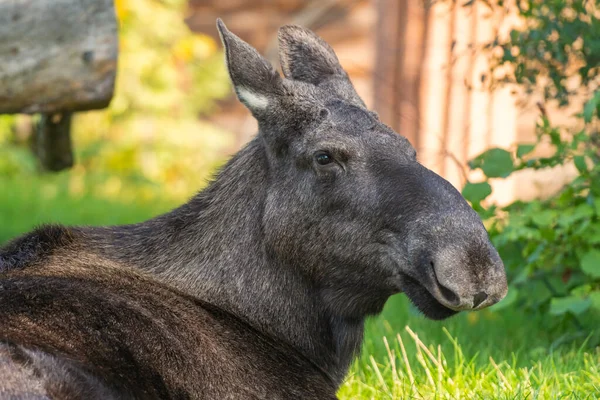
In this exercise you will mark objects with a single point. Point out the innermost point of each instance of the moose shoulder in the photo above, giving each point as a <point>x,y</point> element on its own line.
<point>259,286</point>
<point>103,332</point>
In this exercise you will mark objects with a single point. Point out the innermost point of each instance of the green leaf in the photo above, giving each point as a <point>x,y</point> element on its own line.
<point>581,290</point>
<point>571,215</point>
<point>573,304</point>
<point>510,298</point>
<point>580,164</point>
<point>496,163</point>
<point>544,217</point>
<point>524,149</point>
<point>593,237</point>
<point>583,211</point>
<point>555,138</point>
<point>522,277</point>
<point>475,163</point>
<point>590,263</point>
<point>597,206</point>
<point>590,107</point>
<point>595,298</point>
<point>476,192</point>
<point>535,255</point>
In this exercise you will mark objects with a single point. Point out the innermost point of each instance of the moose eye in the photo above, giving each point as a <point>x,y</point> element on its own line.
<point>323,158</point>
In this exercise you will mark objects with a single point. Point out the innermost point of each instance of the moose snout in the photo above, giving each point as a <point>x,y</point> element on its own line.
<point>468,278</point>
<point>451,259</point>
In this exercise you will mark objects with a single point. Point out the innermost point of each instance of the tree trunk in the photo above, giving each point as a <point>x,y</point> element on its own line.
<point>401,41</point>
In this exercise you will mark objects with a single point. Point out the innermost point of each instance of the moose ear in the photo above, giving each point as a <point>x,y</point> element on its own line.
<point>256,82</point>
<point>306,57</point>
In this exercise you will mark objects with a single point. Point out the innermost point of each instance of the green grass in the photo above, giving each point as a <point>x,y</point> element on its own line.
<point>26,203</point>
<point>485,355</point>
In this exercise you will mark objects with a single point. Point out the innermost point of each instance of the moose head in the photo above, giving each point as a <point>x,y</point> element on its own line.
<point>346,201</point>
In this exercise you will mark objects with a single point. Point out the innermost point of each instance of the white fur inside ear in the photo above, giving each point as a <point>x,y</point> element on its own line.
<point>253,100</point>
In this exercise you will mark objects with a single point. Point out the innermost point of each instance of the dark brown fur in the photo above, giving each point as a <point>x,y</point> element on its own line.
<point>85,329</point>
<point>34,247</point>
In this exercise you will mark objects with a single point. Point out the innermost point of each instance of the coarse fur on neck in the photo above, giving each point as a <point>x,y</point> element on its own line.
<point>212,248</point>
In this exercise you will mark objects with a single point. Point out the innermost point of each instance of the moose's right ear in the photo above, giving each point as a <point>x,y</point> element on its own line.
<point>256,82</point>
<point>304,56</point>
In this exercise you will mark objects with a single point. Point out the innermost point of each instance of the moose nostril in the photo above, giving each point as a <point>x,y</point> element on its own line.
<point>449,295</point>
<point>479,298</point>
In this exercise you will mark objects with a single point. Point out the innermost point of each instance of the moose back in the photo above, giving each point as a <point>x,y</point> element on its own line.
<point>259,286</point>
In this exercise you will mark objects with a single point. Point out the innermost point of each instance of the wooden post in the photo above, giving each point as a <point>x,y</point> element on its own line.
<point>53,141</point>
<point>56,57</point>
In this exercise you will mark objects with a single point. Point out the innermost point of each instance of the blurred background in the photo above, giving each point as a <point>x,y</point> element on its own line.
<point>499,97</point>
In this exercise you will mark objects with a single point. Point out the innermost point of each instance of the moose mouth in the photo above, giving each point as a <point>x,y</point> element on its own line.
<point>423,300</point>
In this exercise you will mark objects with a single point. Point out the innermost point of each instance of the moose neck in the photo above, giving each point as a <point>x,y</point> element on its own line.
<point>212,248</point>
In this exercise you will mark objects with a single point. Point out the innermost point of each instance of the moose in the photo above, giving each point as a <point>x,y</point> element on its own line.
<point>259,286</point>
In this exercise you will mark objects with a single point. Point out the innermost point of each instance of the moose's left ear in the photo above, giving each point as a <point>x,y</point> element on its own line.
<point>306,57</point>
<point>256,82</point>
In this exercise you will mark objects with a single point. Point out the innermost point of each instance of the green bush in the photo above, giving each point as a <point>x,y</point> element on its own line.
<point>550,246</point>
